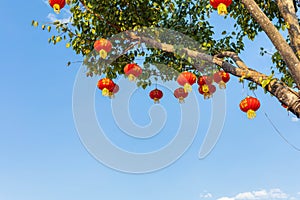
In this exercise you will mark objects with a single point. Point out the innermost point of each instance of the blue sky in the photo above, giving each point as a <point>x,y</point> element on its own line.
<point>42,156</point>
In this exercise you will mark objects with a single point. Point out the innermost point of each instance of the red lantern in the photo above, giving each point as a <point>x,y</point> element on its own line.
<point>57,5</point>
<point>186,79</point>
<point>113,91</point>
<point>106,85</point>
<point>132,71</point>
<point>180,94</point>
<point>103,46</point>
<point>207,90</point>
<point>220,5</point>
<point>250,105</point>
<point>221,78</point>
<point>202,80</point>
<point>156,95</point>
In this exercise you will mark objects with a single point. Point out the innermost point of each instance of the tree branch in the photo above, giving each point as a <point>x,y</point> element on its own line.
<point>234,57</point>
<point>276,38</point>
<point>282,92</point>
<point>287,10</point>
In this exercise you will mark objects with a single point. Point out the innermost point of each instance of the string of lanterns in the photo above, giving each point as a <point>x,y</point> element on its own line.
<point>206,88</point>
<point>185,79</point>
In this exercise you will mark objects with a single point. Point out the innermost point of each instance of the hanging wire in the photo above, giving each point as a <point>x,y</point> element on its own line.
<point>277,130</point>
<point>280,134</point>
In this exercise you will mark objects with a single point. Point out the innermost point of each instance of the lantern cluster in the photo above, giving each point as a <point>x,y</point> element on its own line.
<point>249,105</point>
<point>103,46</point>
<point>57,5</point>
<point>186,79</point>
<point>206,87</point>
<point>108,87</point>
<point>132,71</point>
<point>220,5</point>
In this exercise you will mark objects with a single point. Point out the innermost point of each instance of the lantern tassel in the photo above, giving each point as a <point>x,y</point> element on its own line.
<point>105,92</point>
<point>206,95</point>
<point>156,100</point>
<point>187,87</point>
<point>251,114</point>
<point>222,9</point>
<point>56,8</point>
<point>181,100</point>
<point>222,85</point>
<point>103,53</point>
<point>131,77</point>
<point>111,95</point>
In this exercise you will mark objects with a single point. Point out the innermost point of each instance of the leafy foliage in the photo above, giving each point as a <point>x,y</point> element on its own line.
<point>94,19</point>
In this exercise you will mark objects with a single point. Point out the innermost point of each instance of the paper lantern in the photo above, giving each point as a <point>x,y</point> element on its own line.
<point>207,90</point>
<point>221,78</point>
<point>103,46</point>
<point>57,5</point>
<point>106,85</point>
<point>250,105</point>
<point>132,71</point>
<point>180,94</point>
<point>156,95</point>
<point>220,5</point>
<point>186,79</point>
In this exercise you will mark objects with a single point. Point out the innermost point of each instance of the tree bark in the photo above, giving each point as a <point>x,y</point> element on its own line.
<point>276,38</point>
<point>287,10</point>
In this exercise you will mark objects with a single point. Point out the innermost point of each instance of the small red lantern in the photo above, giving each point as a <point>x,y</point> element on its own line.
<point>132,71</point>
<point>113,91</point>
<point>156,95</point>
<point>207,90</point>
<point>220,5</point>
<point>180,94</point>
<point>186,79</point>
<point>202,80</point>
<point>103,46</point>
<point>250,105</point>
<point>57,5</point>
<point>106,85</point>
<point>221,78</point>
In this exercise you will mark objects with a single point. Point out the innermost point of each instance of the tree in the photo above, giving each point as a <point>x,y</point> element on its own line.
<point>94,19</point>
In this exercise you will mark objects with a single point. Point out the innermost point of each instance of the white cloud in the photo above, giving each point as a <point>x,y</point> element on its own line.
<point>260,194</point>
<point>245,195</point>
<point>278,194</point>
<point>206,195</point>
<point>225,198</point>
<point>52,17</point>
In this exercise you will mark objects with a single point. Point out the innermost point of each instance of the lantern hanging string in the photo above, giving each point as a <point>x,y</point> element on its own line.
<point>280,134</point>
<point>277,130</point>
